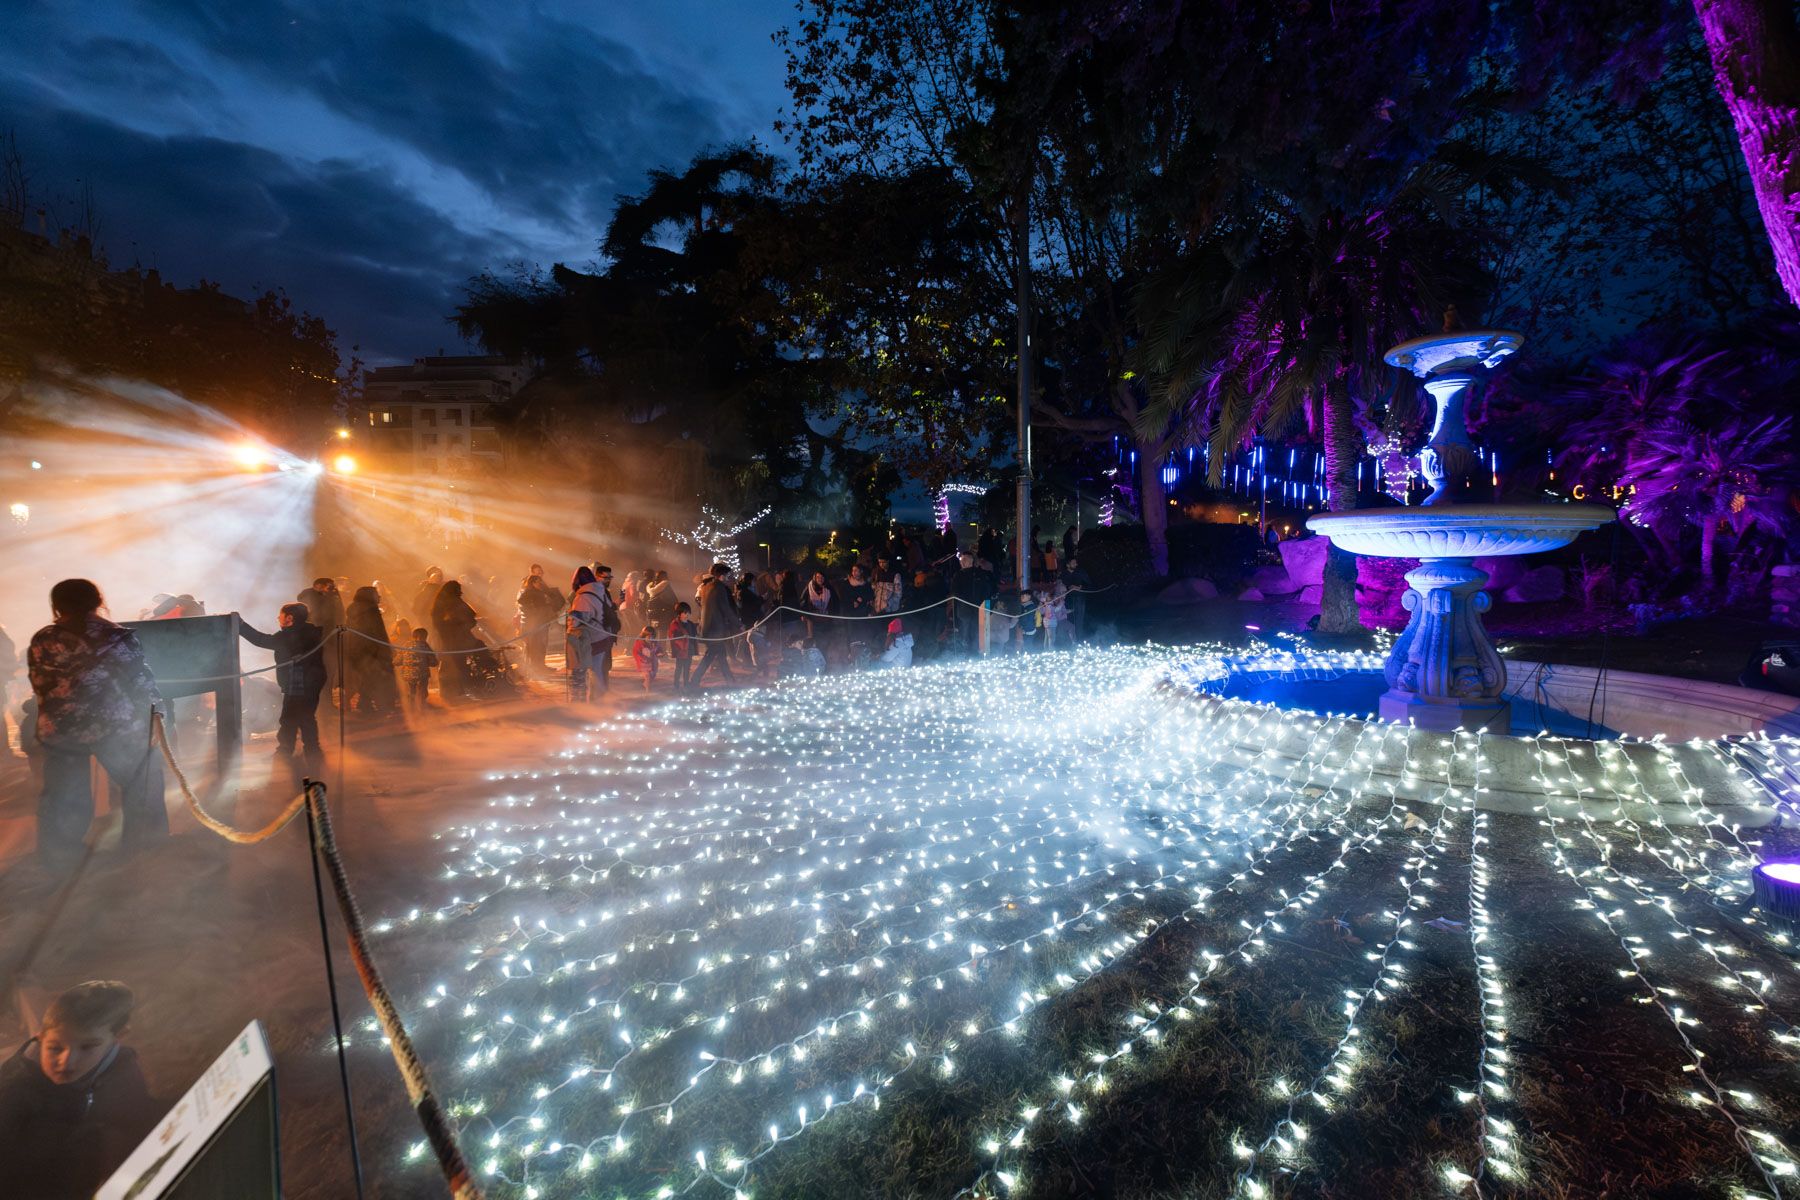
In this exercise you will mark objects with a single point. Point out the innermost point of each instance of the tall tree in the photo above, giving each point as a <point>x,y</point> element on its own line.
<point>1755,48</point>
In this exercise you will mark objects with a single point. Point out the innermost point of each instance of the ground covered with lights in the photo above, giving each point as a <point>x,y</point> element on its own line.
<point>1066,926</point>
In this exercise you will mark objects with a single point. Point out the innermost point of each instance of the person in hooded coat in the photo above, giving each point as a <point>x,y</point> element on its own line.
<point>369,656</point>
<point>454,623</point>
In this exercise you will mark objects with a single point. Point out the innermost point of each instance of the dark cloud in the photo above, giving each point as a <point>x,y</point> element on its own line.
<point>256,142</point>
<point>549,117</point>
<point>207,208</point>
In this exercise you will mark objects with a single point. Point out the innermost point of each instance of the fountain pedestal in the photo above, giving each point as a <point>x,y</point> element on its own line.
<point>1444,672</point>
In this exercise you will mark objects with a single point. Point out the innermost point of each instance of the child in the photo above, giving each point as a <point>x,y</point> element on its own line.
<point>1047,616</point>
<point>803,658</point>
<point>300,673</point>
<point>646,652</point>
<point>682,632</point>
<point>73,1103</point>
<point>416,662</point>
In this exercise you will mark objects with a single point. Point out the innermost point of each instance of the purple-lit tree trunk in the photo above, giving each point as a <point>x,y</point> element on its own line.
<point>1338,611</point>
<point>1755,48</point>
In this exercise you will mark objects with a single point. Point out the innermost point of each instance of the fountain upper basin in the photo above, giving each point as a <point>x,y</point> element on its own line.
<point>1460,530</point>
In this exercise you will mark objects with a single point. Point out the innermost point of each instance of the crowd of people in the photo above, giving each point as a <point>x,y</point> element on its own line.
<point>73,1094</point>
<point>907,599</point>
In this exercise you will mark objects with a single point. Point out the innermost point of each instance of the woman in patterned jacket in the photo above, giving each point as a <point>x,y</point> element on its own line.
<point>95,693</point>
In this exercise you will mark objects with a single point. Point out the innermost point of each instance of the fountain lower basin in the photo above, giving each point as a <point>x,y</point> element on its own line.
<point>1444,672</point>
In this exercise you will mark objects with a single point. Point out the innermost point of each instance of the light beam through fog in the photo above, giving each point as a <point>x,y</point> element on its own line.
<point>148,493</point>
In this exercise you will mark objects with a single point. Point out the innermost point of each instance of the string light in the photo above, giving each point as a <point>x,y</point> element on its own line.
<point>702,933</point>
<point>940,506</point>
<point>713,538</point>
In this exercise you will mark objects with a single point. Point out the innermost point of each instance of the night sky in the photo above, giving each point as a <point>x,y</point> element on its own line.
<point>370,156</point>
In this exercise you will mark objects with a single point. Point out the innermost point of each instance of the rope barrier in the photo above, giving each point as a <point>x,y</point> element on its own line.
<point>312,801</point>
<point>230,833</point>
<point>418,1086</point>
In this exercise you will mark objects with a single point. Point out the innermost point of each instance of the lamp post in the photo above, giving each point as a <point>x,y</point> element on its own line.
<point>1022,546</point>
<point>768,556</point>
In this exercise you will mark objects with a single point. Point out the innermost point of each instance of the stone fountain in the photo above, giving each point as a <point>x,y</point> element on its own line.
<point>1444,672</point>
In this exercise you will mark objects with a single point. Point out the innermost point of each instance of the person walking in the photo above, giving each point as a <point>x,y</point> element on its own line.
<point>299,673</point>
<point>368,657</point>
<point>95,695</point>
<point>718,622</point>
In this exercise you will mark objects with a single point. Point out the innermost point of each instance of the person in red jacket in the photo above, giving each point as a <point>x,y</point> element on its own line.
<point>682,632</point>
<point>73,1102</point>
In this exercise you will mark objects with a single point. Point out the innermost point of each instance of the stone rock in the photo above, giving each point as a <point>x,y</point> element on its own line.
<point>1503,573</point>
<point>1312,593</point>
<point>1304,560</point>
<point>1273,581</point>
<point>1252,594</point>
<point>1538,585</point>
<point>1188,591</point>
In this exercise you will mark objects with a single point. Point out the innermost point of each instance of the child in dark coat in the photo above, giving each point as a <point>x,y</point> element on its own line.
<point>300,673</point>
<point>73,1102</point>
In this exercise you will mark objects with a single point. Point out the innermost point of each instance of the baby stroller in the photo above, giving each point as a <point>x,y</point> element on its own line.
<point>491,674</point>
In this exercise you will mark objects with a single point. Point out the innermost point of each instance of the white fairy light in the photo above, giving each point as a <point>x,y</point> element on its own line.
<point>714,538</point>
<point>699,935</point>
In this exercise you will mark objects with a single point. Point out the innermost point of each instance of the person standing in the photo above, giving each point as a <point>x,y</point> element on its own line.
<point>325,605</point>
<point>682,632</point>
<point>9,667</point>
<point>299,673</point>
<point>425,595</point>
<point>582,624</point>
<point>454,623</point>
<point>539,606</point>
<point>95,695</point>
<point>718,622</point>
<point>593,627</point>
<point>368,656</point>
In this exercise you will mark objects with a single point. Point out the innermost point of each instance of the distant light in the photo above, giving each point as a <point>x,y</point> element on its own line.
<point>343,433</point>
<point>36,465</point>
<point>343,464</point>
<point>21,512</point>
<point>315,468</point>
<point>251,456</point>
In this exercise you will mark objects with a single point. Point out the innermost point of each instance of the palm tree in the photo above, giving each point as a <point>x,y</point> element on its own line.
<point>1289,327</point>
<point>1737,476</point>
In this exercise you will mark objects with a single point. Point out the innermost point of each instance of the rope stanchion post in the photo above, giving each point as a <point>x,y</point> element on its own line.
<point>418,1087</point>
<point>337,1019</point>
<point>323,846</point>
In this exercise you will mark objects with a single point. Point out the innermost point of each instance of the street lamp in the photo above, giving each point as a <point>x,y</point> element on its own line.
<point>768,555</point>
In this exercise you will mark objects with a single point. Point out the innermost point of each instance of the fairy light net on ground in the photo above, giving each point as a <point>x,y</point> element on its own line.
<point>954,918</point>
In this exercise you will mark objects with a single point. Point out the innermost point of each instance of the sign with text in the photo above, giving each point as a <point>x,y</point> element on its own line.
<point>218,1142</point>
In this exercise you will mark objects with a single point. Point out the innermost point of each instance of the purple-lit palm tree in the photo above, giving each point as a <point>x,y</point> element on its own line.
<point>1292,333</point>
<point>1735,476</point>
<point>1651,378</point>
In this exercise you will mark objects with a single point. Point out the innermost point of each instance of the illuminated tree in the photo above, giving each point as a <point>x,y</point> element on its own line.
<point>1755,48</point>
